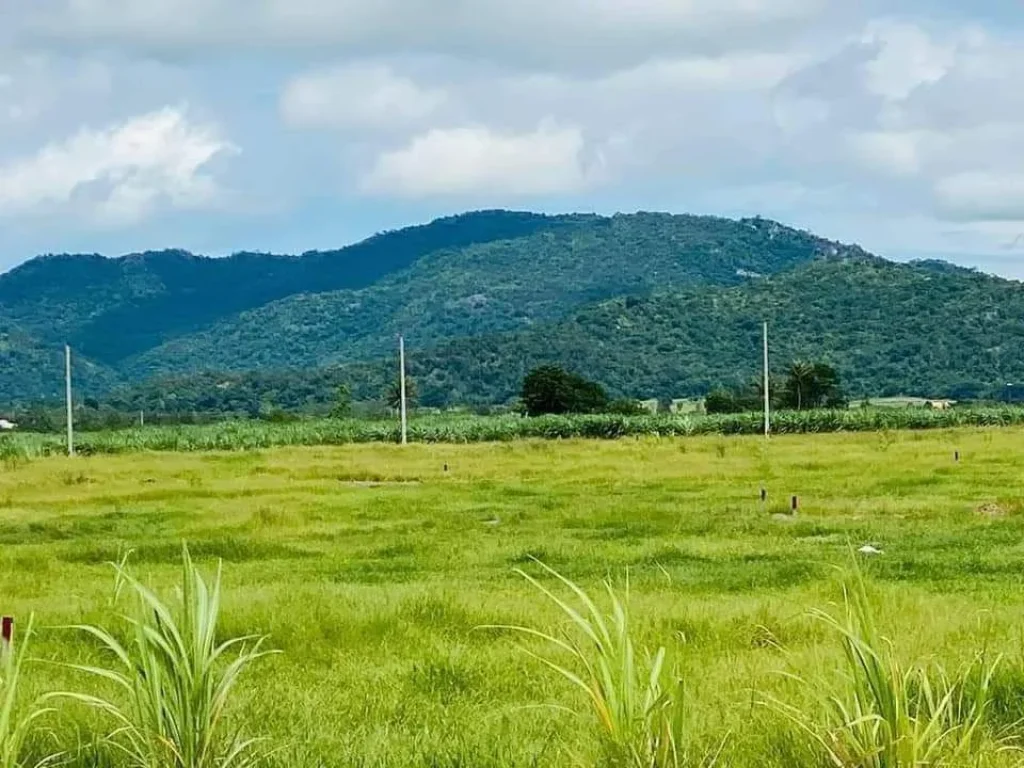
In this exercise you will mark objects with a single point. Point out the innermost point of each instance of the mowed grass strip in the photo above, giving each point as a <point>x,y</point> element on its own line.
<point>372,569</point>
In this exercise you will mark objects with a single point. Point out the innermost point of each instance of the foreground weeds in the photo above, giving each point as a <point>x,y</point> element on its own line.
<point>638,707</point>
<point>882,713</point>
<point>175,678</point>
<point>17,723</point>
<point>372,566</point>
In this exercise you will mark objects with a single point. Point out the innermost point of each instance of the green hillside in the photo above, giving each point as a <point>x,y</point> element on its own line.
<point>492,287</point>
<point>110,309</point>
<point>36,368</point>
<point>889,328</point>
<point>652,305</point>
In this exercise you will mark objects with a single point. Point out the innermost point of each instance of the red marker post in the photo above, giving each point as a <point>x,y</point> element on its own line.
<point>6,633</point>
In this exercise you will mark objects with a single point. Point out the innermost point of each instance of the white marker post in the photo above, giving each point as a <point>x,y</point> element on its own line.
<point>67,398</point>
<point>767,394</point>
<point>401,385</point>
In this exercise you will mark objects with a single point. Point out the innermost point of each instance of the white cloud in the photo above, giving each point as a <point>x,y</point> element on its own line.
<point>982,196</point>
<point>119,174</point>
<point>938,109</point>
<point>901,129</point>
<point>893,153</point>
<point>358,96</point>
<point>907,58</point>
<point>739,71</point>
<point>481,161</point>
<point>597,34</point>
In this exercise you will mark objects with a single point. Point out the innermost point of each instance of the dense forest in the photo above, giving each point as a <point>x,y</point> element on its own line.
<point>887,328</point>
<point>649,305</point>
<point>489,288</point>
<point>112,309</point>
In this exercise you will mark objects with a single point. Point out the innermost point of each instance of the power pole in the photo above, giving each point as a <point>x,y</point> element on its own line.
<point>67,398</point>
<point>767,394</point>
<point>401,380</point>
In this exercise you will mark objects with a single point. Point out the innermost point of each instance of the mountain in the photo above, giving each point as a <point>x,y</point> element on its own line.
<point>171,312</point>
<point>648,304</point>
<point>889,329</point>
<point>112,308</point>
<point>36,367</point>
<point>492,287</point>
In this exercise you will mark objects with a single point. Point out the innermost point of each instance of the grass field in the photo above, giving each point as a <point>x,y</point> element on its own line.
<point>373,569</point>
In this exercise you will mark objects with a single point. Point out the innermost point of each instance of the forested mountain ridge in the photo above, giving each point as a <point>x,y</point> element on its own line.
<point>35,367</point>
<point>650,304</point>
<point>113,308</point>
<point>889,329</point>
<point>493,287</point>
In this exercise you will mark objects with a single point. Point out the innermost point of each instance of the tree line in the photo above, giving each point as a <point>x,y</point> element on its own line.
<point>546,389</point>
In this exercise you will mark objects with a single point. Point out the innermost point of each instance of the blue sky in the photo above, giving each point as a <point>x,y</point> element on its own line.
<point>286,125</point>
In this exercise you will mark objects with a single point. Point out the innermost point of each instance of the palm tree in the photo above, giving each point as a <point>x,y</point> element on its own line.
<point>393,396</point>
<point>801,377</point>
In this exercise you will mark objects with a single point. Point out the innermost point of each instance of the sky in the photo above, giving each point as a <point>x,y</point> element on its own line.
<point>289,125</point>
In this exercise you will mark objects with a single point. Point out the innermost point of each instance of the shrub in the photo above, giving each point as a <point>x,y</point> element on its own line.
<point>626,407</point>
<point>722,401</point>
<point>342,407</point>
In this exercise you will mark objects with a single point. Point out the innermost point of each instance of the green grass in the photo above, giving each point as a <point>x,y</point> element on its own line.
<point>372,570</point>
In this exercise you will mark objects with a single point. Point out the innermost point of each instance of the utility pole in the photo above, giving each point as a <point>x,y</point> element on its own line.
<point>767,394</point>
<point>67,398</point>
<point>401,380</point>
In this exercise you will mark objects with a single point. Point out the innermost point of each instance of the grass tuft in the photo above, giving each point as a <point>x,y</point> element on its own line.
<point>174,678</point>
<point>883,713</point>
<point>639,713</point>
<point>17,726</point>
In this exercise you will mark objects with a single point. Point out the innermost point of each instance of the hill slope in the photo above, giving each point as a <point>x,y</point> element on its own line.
<point>650,304</point>
<point>889,328</point>
<point>110,309</point>
<point>493,287</point>
<point>32,368</point>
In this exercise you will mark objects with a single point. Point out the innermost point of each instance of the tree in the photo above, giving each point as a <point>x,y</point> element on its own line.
<point>550,389</point>
<point>342,407</point>
<point>798,384</point>
<point>393,396</point>
<point>813,385</point>
<point>776,392</point>
<point>827,391</point>
<point>741,399</point>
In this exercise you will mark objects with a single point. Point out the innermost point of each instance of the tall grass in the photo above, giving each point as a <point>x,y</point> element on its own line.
<point>16,726</point>
<point>638,709</point>
<point>883,713</point>
<point>254,435</point>
<point>174,677</point>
